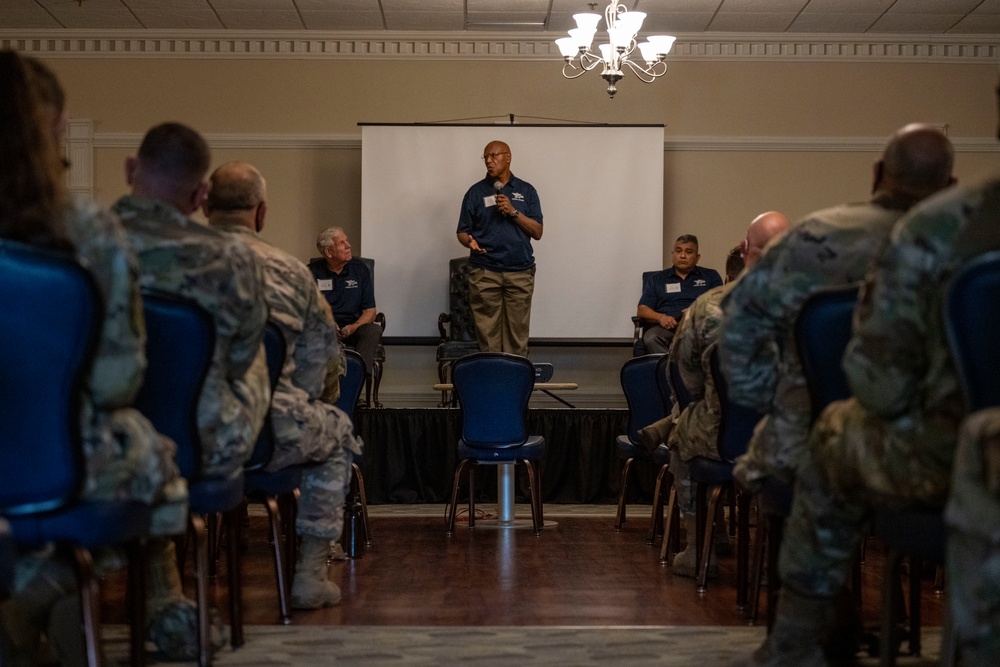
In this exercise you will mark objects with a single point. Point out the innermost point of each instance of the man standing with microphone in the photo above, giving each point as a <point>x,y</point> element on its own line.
<point>500,216</point>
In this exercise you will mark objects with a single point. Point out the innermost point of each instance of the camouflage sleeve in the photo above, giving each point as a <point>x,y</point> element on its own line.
<point>244,320</point>
<point>686,350</point>
<point>120,361</point>
<point>318,340</point>
<point>748,334</point>
<point>886,360</point>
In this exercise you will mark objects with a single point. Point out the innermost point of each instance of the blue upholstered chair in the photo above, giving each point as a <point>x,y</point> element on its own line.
<point>275,490</point>
<point>639,326</point>
<point>48,333</point>
<point>639,383</point>
<point>180,344</point>
<point>493,390</point>
<point>458,338</point>
<point>822,332</point>
<point>350,392</point>
<point>660,457</point>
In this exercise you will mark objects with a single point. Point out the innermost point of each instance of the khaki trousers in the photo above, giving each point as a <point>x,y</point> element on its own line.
<point>501,308</point>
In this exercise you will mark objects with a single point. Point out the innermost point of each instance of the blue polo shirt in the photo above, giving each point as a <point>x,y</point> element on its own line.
<point>349,292</point>
<point>669,294</point>
<point>507,246</point>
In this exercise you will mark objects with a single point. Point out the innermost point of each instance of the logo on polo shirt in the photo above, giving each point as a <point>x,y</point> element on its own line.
<point>350,283</point>
<point>700,282</point>
<point>517,196</point>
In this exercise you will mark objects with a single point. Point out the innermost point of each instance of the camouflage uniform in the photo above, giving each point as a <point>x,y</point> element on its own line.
<point>182,257</point>
<point>696,428</point>
<point>893,443</point>
<point>973,560</point>
<point>759,355</point>
<point>306,428</point>
<point>126,457</point>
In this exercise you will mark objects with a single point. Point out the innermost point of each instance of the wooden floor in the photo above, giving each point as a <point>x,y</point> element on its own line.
<point>577,572</point>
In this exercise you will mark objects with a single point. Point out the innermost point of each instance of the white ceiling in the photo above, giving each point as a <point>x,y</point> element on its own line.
<point>663,16</point>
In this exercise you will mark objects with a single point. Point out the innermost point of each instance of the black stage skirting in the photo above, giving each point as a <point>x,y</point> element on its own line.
<point>410,456</point>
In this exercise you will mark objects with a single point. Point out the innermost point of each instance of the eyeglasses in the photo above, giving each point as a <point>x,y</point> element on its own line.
<point>493,156</point>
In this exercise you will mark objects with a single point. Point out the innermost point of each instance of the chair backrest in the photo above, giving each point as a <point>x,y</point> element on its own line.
<point>462,327</point>
<point>180,342</point>
<point>275,349</point>
<point>822,332</point>
<point>48,332</point>
<point>639,384</point>
<point>493,390</point>
<point>972,322</point>
<point>370,264</point>
<point>736,422</point>
<point>352,383</point>
<point>684,397</point>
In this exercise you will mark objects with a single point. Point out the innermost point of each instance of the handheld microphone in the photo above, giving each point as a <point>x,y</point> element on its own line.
<point>498,186</point>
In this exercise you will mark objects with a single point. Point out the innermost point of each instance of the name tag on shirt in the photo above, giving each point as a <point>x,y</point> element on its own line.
<point>325,285</point>
<point>490,201</point>
<point>671,288</point>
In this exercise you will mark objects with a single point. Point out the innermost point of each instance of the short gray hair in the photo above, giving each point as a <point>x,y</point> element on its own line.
<point>325,238</point>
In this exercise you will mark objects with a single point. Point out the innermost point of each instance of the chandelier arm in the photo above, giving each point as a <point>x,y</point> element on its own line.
<point>646,74</point>
<point>589,61</point>
<point>569,67</point>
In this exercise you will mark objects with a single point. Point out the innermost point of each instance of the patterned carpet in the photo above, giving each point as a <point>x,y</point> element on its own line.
<point>377,646</point>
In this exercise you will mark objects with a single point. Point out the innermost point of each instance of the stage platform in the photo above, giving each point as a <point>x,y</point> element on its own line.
<point>410,456</point>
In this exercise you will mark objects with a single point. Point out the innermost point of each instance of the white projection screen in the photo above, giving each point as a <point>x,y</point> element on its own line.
<point>601,192</point>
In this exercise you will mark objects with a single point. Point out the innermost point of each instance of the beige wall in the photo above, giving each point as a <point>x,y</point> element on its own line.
<point>741,137</point>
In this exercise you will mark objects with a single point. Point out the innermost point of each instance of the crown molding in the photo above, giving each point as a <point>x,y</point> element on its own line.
<point>309,45</point>
<point>131,140</point>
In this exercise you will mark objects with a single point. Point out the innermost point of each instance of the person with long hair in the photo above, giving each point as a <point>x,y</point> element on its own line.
<point>125,457</point>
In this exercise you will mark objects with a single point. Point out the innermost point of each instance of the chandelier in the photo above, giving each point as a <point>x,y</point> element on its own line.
<point>619,53</point>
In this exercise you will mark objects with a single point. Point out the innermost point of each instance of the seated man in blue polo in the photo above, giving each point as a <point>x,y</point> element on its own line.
<point>347,285</point>
<point>667,294</point>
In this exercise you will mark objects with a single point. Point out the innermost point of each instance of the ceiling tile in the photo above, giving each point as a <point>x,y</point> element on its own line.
<point>672,22</point>
<point>159,5</point>
<point>836,23</point>
<point>508,5</point>
<point>178,19</point>
<point>762,6</point>
<point>847,6</point>
<point>92,14</point>
<point>257,19</point>
<point>988,7</point>
<point>933,6</point>
<point>423,6</point>
<point>930,23</point>
<point>26,18</point>
<point>251,5</point>
<point>757,22</point>
<point>977,24</point>
<point>654,6</point>
<point>338,5</point>
<point>353,20</point>
<point>424,20</point>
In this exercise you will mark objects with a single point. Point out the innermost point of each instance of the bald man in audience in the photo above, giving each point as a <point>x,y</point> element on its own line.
<point>306,429</point>
<point>695,430</point>
<point>829,248</point>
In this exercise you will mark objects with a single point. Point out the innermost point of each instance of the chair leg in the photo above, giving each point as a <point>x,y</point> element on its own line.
<point>359,480</point>
<point>200,530</point>
<point>377,381</point>
<point>620,517</point>
<point>235,573</point>
<point>535,487</point>
<point>706,545</point>
<point>670,526</point>
<point>887,648</point>
<point>775,535</point>
<point>757,566</point>
<point>135,598</point>
<point>289,503</point>
<point>90,612</point>
<point>274,522</point>
<point>454,496</point>
<point>916,572</point>
<point>742,546</point>
<point>472,494</point>
<point>656,518</point>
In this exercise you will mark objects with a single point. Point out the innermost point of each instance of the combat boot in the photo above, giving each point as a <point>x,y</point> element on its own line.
<point>796,640</point>
<point>23,617</point>
<point>685,563</point>
<point>64,632</point>
<point>655,434</point>
<point>173,619</point>
<point>311,588</point>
